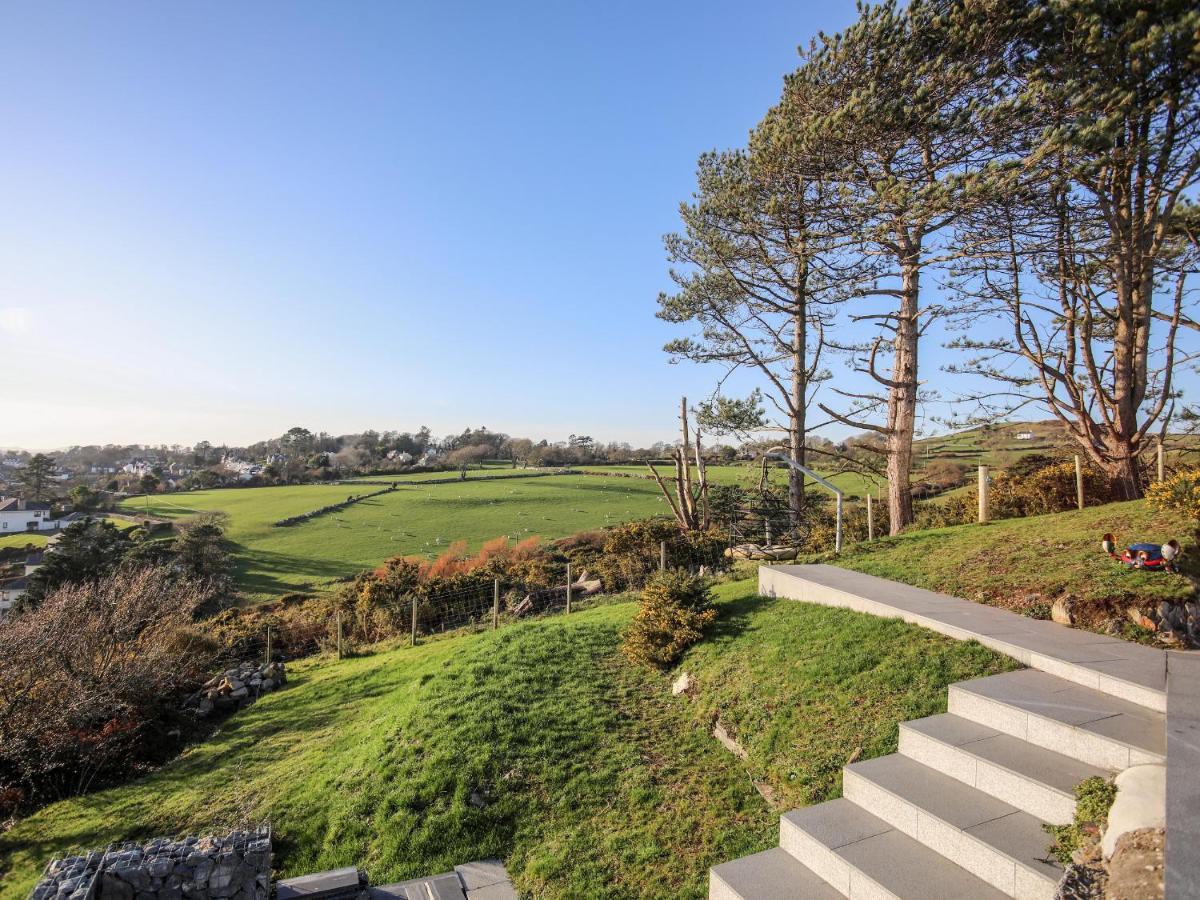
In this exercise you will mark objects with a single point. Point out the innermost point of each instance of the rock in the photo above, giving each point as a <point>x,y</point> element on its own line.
<point>1135,871</point>
<point>1140,619</point>
<point>1063,611</point>
<point>1141,803</point>
<point>727,741</point>
<point>239,693</point>
<point>683,684</point>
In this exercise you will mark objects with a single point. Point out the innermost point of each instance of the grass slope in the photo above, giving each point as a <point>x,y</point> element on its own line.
<point>599,782</point>
<point>1024,564</point>
<point>413,520</point>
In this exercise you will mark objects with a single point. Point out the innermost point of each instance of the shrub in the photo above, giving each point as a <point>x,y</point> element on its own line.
<point>1180,492</point>
<point>1094,798</point>
<point>92,680</point>
<point>631,552</point>
<point>676,607</point>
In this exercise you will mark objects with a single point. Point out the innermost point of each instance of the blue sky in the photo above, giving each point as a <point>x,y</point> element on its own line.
<point>219,220</point>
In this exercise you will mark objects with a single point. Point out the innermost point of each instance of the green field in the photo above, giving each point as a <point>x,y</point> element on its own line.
<point>852,483</point>
<point>598,782</point>
<point>409,521</point>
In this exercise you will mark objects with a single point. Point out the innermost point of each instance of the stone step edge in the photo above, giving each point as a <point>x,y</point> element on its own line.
<point>1049,803</point>
<point>986,862</point>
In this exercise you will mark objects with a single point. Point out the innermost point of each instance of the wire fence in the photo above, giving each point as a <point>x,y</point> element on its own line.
<point>481,603</point>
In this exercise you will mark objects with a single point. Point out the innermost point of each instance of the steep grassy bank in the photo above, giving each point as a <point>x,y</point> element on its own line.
<point>595,781</point>
<point>1024,564</point>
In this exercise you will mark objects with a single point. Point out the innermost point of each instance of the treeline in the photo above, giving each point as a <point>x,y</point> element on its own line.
<point>1021,170</point>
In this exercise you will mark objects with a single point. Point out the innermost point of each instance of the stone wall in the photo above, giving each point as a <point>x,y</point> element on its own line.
<point>236,866</point>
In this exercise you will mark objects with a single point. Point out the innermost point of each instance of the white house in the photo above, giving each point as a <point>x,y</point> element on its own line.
<point>11,590</point>
<point>1024,435</point>
<point>25,515</point>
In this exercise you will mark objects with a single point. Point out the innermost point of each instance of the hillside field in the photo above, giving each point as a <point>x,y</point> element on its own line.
<point>1025,564</point>
<point>412,520</point>
<point>598,782</point>
<point>747,475</point>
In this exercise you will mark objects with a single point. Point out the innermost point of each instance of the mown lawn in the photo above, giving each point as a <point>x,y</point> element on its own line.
<point>597,782</point>
<point>1024,564</point>
<point>22,539</point>
<point>413,520</point>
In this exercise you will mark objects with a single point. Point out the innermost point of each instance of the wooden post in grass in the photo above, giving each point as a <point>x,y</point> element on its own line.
<point>495,604</point>
<point>568,588</point>
<point>1162,462</point>
<point>662,556</point>
<point>1079,481</point>
<point>268,644</point>
<point>339,633</point>
<point>414,621</point>
<point>983,495</point>
<point>870,518</point>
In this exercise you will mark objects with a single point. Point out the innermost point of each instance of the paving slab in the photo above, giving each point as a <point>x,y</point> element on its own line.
<point>1123,669</point>
<point>319,885</point>
<point>771,875</point>
<point>905,868</point>
<point>1182,875</point>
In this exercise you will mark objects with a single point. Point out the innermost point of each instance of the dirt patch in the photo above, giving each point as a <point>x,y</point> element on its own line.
<point>1135,871</point>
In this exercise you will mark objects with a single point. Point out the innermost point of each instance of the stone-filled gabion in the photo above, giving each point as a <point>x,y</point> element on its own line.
<point>236,866</point>
<point>70,878</point>
<point>237,687</point>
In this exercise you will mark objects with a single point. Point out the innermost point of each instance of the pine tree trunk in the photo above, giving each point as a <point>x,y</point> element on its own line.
<point>902,401</point>
<point>796,418</point>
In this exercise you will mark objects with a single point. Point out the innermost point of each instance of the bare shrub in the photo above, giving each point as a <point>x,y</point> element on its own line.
<point>91,681</point>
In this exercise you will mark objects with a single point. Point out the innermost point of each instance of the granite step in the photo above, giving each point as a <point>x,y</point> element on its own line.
<point>1039,781</point>
<point>771,875</point>
<point>1087,725</point>
<point>998,843</point>
<point>864,858</point>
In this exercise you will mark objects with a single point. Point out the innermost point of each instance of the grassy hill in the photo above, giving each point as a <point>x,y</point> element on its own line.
<point>413,520</point>
<point>747,475</point>
<point>1024,564</point>
<point>596,781</point>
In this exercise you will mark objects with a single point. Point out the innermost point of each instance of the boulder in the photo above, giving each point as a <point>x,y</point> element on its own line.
<point>1141,803</point>
<point>683,684</point>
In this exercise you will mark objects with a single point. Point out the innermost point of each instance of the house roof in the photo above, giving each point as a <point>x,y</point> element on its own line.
<point>16,504</point>
<point>20,583</point>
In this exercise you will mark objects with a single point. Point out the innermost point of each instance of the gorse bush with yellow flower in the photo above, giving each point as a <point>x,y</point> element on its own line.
<point>1179,493</point>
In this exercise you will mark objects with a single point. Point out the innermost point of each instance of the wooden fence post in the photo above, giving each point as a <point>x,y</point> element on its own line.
<point>1162,462</point>
<point>495,604</point>
<point>983,495</point>
<point>1079,481</point>
<point>414,622</point>
<point>662,556</point>
<point>339,633</point>
<point>268,644</point>
<point>870,518</point>
<point>568,588</point>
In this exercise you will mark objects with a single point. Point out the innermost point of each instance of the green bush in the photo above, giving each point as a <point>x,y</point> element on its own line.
<point>1094,798</point>
<point>676,608</point>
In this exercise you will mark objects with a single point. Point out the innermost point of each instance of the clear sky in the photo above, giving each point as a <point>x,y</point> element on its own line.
<point>219,220</point>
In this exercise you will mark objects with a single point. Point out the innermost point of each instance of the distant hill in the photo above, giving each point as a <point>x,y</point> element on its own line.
<point>998,445</point>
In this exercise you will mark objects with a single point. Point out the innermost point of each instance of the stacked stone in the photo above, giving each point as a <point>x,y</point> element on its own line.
<point>237,687</point>
<point>69,878</point>
<point>236,866</point>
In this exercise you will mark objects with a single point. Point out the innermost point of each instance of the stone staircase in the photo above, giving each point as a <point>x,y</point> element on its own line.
<point>959,811</point>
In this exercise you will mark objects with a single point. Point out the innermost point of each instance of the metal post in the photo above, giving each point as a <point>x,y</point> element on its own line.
<point>870,518</point>
<point>568,588</point>
<point>1079,481</point>
<point>414,621</point>
<point>339,633</point>
<point>495,604</point>
<point>662,556</point>
<point>1162,462</point>
<point>983,495</point>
